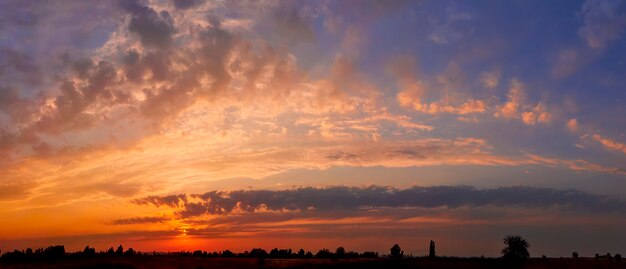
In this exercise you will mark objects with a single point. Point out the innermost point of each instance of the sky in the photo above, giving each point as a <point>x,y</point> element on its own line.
<point>174,125</point>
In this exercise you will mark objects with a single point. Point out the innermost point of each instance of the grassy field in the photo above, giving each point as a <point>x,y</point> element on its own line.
<point>166,262</point>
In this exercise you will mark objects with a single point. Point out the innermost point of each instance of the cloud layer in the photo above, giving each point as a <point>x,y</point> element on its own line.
<point>373,197</point>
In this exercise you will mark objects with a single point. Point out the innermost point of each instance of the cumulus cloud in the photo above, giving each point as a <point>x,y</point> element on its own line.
<point>415,93</point>
<point>155,29</point>
<point>517,106</point>
<point>515,98</point>
<point>538,114</point>
<point>361,198</point>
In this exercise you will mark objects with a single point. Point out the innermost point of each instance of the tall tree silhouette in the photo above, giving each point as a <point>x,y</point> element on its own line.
<point>431,249</point>
<point>516,248</point>
<point>396,252</point>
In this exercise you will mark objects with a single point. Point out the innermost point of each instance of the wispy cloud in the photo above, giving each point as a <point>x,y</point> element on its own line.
<point>610,144</point>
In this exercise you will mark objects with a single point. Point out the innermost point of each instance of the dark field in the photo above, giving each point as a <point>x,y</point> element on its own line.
<point>203,262</point>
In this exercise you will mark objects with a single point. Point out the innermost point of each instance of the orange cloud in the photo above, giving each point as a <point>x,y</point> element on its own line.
<point>610,144</point>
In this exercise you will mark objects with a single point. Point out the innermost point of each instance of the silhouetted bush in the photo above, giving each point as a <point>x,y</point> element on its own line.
<point>575,255</point>
<point>618,257</point>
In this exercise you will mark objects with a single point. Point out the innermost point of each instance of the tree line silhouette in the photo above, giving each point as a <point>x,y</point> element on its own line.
<point>516,250</point>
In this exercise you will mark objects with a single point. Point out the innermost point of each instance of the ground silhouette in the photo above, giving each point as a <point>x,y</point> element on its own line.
<point>514,255</point>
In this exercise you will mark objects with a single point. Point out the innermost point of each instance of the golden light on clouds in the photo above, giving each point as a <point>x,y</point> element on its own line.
<point>141,122</point>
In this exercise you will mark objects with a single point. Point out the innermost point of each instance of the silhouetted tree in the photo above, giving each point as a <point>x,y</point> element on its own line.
<point>258,253</point>
<point>340,253</point>
<point>516,248</point>
<point>575,255</point>
<point>324,254</point>
<point>618,257</point>
<point>120,250</point>
<point>111,251</point>
<point>89,251</point>
<point>431,249</point>
<point>54,252</point>
<point>308,255</point>
<point>227,254</point>
<point>130,252</point>
<point>396,252</point>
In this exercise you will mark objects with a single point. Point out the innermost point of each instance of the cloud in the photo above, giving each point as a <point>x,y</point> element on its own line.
<point>413,93</point>
<point>573,125</point>
<point>515,98</point>
<point>295,23</point>
<point>344,198</point>
<point>538,114</point>
<point>154,29</point>
<point>568,62</point>
<point>610,144</point>
<point>604,21</point>
<point>490,80</point>
<point>139,220</point>
<point>516,107</point>
<point>186,4</point>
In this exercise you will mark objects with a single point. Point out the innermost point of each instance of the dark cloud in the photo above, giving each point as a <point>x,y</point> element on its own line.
<point>355,198</point>
<point>139,220</point>
<point>154,29</point>
<point>168,200</point>
<point>185,4</point>
<point>19,67</point>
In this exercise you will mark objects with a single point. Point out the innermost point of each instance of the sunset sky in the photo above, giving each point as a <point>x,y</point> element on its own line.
<point>174,125</point>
